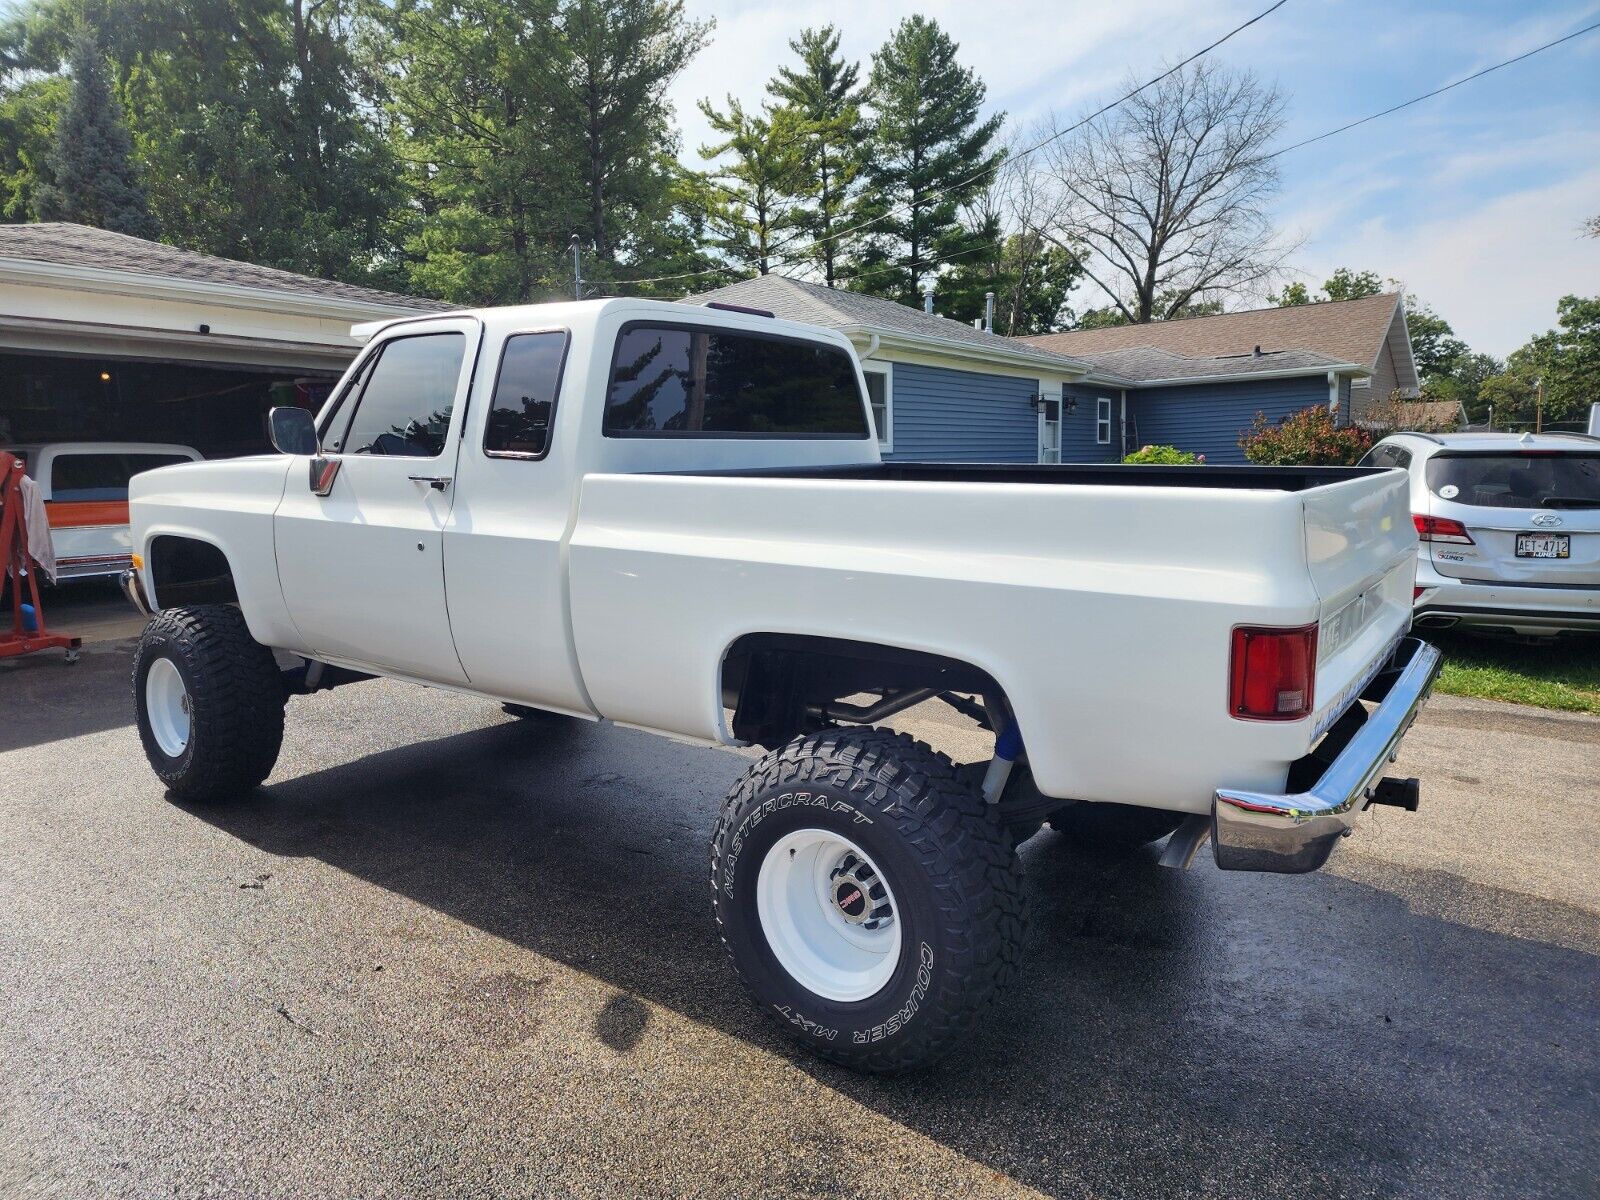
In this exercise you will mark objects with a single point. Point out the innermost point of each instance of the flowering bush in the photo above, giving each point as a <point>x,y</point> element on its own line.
<point>1306,438</point>
<point>1165,456</point>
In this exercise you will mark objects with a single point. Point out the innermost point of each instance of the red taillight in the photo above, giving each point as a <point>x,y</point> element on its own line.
<point>1441,529</point>
<point>1272,674</point>
<point>1417,591</point>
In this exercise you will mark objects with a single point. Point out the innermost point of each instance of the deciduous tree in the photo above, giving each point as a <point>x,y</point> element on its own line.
<point>1170,192</point>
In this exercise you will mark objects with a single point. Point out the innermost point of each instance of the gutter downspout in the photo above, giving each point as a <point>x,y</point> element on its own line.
<point>1333,395</point>
<point>872,347</point>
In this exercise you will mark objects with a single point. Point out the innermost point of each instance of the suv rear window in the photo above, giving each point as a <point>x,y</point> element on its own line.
<point>101,476</point>
<point>690,381</point>
<point>1517,480</point>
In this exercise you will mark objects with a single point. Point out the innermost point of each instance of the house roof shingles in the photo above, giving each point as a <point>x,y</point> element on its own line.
<point>1347,331</point>
<point>1148,364</point>
<point>66,244</point>
<point>835,308</point>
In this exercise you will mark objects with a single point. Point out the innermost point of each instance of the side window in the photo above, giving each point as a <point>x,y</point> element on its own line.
<point>404,408</point>
<point>882,401</point>
<point>1102,421</point>
<point>525,395</point>
<point>331,431</point>
<point>1387,455</point>
<point>696,381</point>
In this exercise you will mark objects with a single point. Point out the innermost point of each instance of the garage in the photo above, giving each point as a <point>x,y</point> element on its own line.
<point>110,338</point>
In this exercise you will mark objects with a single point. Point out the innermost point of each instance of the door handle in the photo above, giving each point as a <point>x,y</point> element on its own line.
<point>437,482</point>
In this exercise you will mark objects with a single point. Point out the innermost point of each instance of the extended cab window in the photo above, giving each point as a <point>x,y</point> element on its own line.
<point>404,404</point>
<point>525,395</point>
<point>686,381</point>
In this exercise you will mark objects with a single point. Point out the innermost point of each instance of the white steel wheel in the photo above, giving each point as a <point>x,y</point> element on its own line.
<point>166,702</point>
<point>828,915</point>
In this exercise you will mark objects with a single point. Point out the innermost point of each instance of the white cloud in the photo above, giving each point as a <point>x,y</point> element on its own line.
<point>1495,272</point>
<point>1034,55</point>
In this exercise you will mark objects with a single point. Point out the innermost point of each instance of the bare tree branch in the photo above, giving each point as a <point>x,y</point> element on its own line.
<point>1170,191</point>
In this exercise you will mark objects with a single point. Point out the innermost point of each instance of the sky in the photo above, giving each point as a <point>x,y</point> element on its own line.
<point>1473,200</point>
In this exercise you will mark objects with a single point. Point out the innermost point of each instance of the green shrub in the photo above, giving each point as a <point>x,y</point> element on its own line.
<point>1306,438</point>
<point>1165,456</point>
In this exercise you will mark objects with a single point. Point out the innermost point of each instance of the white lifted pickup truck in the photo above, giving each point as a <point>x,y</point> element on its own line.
<point>675,518</point>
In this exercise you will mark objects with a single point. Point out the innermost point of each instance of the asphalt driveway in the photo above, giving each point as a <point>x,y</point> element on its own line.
<point>443,953</point>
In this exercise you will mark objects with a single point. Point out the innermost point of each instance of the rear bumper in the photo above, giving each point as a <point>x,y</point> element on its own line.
<point>1294,833</point>
<point>1524,608</point>
<point>100,566</point>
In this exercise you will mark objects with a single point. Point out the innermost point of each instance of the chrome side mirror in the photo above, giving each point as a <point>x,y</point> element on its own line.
<point>292,430</point>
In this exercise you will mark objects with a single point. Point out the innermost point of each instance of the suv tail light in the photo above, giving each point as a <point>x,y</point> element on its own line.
<point>1272,673</point>
<point>1441,529</point>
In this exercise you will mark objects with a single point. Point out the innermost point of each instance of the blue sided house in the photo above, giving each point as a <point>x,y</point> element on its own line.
<point>946,391</point>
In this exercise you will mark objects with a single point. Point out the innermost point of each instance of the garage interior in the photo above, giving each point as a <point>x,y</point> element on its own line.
<point>220,410</point>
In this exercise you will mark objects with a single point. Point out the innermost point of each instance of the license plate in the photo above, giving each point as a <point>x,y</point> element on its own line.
<point>1544,545</point>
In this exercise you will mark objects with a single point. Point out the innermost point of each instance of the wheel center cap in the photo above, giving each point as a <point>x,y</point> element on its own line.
<point>852,901</point>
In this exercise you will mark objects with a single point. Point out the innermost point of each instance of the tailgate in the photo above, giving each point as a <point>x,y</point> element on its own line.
<point>1361,550</point>
<point>1533,516</point>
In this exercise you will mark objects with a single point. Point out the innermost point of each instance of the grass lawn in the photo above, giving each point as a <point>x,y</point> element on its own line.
<point>1564,675</point>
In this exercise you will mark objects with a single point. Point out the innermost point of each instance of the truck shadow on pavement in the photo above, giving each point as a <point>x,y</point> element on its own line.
<point>1174,1033</point>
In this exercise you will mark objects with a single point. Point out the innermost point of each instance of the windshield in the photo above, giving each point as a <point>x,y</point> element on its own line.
<point>102,476</point>
<point>1525,479</point>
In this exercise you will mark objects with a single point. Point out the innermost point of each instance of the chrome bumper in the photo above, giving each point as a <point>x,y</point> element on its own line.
<point>134,591</point>
<point>1255,831</point>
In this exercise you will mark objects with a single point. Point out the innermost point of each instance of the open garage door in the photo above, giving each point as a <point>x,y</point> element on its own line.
<point>217,409</point>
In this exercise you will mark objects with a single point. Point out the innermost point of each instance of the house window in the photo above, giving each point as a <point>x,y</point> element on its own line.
<point>880,395</point>
<point>1102,421</point>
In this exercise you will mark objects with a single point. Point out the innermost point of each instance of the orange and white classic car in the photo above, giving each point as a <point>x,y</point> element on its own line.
<point>85,490</point>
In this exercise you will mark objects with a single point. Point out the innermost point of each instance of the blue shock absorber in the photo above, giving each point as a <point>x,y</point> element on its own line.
<point>1007,747</point>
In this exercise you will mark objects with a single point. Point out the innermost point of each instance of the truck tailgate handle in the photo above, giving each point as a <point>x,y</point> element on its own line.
<point>437,482</point>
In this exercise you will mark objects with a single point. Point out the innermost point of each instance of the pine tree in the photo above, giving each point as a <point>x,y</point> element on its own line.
<point>825,95</point>
<point>612,116</point>
<point>928,154</point>
<point>94,179</point>
<point>751,198</point>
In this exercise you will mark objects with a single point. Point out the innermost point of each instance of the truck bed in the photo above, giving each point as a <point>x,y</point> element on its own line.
<point>1104,610</point>
<point>1268,479</point>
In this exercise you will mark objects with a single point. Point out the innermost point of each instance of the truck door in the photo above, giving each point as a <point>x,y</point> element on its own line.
<point>359,532</point>
<point>504,543</point>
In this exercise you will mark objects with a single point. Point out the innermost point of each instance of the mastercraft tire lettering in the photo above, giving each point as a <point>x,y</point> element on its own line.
<point>867,897</point>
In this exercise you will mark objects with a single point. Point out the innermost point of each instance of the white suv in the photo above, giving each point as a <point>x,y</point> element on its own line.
<point>1509,526</point>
